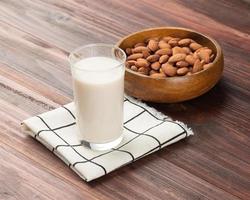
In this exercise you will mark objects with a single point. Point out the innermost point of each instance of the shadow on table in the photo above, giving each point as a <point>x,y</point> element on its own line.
<point>198,109</point>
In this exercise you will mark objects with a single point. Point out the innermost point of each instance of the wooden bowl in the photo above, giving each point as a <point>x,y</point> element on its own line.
<point>172,89</point>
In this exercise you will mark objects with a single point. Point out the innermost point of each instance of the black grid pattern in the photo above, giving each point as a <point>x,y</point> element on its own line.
<point>137,135</point>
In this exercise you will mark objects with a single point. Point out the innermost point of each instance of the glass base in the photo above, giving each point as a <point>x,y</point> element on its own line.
<point>102,146</point>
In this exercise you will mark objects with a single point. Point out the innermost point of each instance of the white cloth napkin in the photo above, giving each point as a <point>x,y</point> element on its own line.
<point>145,131</point>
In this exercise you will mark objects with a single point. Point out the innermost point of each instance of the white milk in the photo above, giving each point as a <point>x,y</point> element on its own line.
<point>98,92</point>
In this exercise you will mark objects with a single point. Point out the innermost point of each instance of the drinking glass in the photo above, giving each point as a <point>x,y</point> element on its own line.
<point>98,86</point>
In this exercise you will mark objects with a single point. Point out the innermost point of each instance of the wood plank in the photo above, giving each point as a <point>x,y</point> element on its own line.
<point>49,69</point>
<point>31,83</point>
<point>35,40</point>
<point>234,19</point>
<point>65,31</point>
<point>30,182</point>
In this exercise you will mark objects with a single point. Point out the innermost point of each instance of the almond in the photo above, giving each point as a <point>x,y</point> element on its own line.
<point>153,72</point>
<point>134,68</point>
<point>189,73</point>
<point>141,62</point>
<point>153,38</point>
<point>162,44</point>
<point>127,64</point>
<point>158,75</point>
<point>194,46</point>
<point>143,70</point>
<point>173,42</point>
<point>130,62</point>
<point>204,55</point>
<point>182,71</point>
<point>206,66</point>
<point>169,70</point>
<point>177,39</point>
<point>190,59</point>
<point>182,64</point>
<point>156,65</point>
<point>197,66</point>
<point>145,54</point>
<point>128,51</point>
<point>177,57</point>
<point>164,52</point>
<point>167,38</point>
<point>135,56</point>
<point>211,58</point>
<point>186,50</point>
<point>153,45</point>
<point>139,49</point>
<point>163,59</point>
<point>184,42</point>
<point>209,51</point>
<point>195,55</point>
<point>140,44</point>
<point>153,58</point>
<point>176,50</point>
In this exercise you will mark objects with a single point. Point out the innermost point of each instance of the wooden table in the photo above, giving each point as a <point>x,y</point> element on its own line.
<point>35,39</point>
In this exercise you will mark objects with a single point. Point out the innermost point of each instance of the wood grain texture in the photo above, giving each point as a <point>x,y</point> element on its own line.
<point>35,39</point>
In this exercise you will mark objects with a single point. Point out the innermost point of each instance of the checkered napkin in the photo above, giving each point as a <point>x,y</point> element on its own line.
<point>145,131</point>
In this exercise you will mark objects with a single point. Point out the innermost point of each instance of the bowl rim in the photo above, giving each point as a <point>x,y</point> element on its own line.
<point>215,43</point>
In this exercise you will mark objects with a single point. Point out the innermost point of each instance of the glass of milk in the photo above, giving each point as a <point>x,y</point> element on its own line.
<point>98,82</point>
